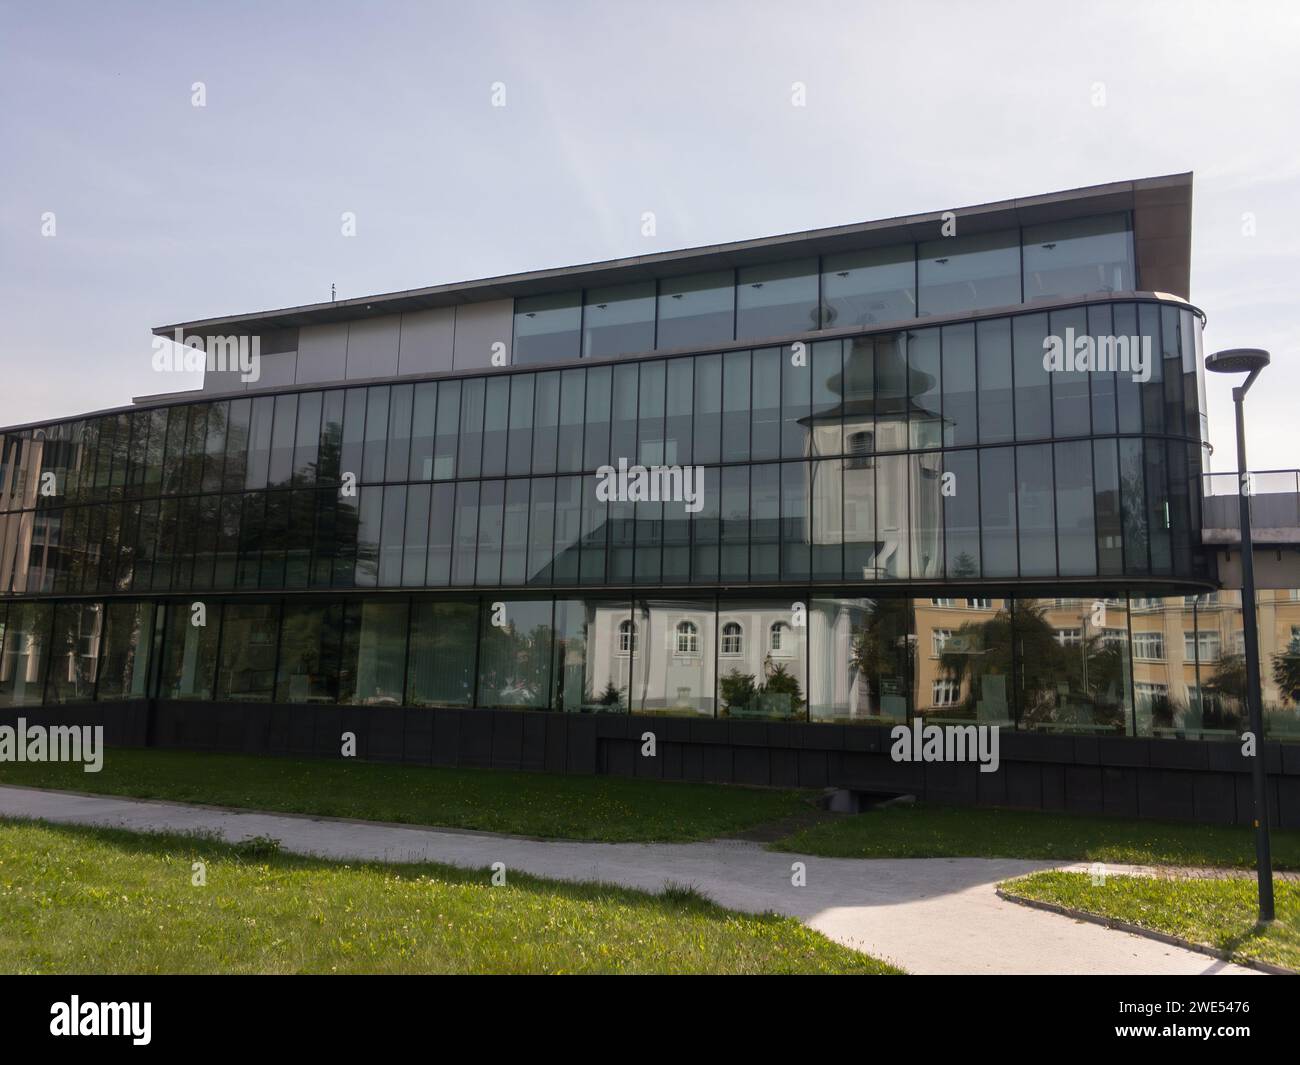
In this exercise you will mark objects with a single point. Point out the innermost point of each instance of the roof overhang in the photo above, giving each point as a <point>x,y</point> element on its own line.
<point>1161,206</point>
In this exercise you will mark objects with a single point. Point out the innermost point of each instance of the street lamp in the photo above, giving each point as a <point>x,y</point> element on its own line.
<point>1250,361</point>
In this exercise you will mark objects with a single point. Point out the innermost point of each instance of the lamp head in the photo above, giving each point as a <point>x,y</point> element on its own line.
<point>1237,360</point>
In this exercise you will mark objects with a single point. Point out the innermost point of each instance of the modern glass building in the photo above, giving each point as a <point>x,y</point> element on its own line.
<point>400,529</point>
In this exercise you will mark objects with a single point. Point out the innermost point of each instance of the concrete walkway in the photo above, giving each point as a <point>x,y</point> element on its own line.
<point>927,915</point>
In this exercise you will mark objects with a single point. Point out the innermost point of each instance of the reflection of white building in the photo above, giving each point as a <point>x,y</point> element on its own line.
<point>668,656</point>
<point>889,504</point>
<point>839,688</point>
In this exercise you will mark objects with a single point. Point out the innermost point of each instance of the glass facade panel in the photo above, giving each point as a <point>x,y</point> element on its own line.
<point>311,641</point>
<point>246,666</point>
<point>1078,257</point>
<point>826,416</point>
<point>74,652</point>
<point>1071,389</point>
<point>777,299</point>
<point>25,654</point>
<point>373,657</point>
<point>189,651</point>
<point>961,514</point>
<point>423,421</point>
<point>1076,536</point>
<point>547,328</point>
<point>735,406</point>
<point>1035,495</point>
<point>696,310</point>
<point>964,661</point>
<point>707,445</point>
<point>766,430</point>
<point>397,462</point>
<point>619,320</point>
<point>959,391</point>
<point>860,660</point>
<point>1033,383</point>
<point>1074,675</point>
<point>869,287</point>
<point>968,273</point>
<point>515,651</point>
<point>595,438</point>
<point>925,416</point>
<point>673,669</point>
<point>441,664</point>
<point>595,646</point>
<point>762,661</point>
<point>128,650</point>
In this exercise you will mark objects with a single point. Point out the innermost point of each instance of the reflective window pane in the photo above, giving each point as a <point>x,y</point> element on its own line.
<point>619,320</point>
<point>1078,257</point>
<point>696,310</point>
<point>776,299</point>
<point>515,649</point>
<point>547,327</point>
<point>968,273</point>
<point>441,668</point>
<point>869,287</point>
<point>371,668</point>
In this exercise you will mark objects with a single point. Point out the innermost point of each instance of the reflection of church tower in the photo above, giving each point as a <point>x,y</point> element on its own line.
<point>883,519</point>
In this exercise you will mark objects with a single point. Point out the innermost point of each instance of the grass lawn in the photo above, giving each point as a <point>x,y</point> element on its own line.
<point>923,831</point>
<point>91,900</point>
<point>613,809</point>
<point>1218,913</point>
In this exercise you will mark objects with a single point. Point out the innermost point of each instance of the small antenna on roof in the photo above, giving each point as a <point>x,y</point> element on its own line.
<point>331,292</point>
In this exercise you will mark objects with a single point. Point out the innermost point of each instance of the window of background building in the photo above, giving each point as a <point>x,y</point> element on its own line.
<point>733,637</point>
<point>680,682</point>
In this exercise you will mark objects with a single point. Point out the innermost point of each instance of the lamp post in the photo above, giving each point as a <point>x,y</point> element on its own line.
<point>1250,361</point>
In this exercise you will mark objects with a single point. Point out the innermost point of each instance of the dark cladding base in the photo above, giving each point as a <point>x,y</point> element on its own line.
<point>1186,780</point>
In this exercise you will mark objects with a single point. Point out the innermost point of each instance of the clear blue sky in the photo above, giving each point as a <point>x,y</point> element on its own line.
<point>166,212</point>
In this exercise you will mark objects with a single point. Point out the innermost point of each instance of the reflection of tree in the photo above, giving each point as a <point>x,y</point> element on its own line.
<point>978,649</point>
<point>741,691</point>
<point>884,652</point>
<point>1132,493</point>
<point>515,665</point>
<point>964,566</point>
<point>1076,684</point>
<point>1226,688</point>
<point>611,698</point>
<point>736,689</point>
<point>1286,673</point>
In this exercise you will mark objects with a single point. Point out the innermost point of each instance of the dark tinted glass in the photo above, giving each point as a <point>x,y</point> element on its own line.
<point>619,320</point>
<point>967,273</point>
<point>696,310</point>
<point>547,328</point>
<point>869,287</point>
<point>776,299</point>
<point>1078,257</point>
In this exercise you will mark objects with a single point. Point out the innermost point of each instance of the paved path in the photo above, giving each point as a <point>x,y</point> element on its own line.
<point>928,915</point>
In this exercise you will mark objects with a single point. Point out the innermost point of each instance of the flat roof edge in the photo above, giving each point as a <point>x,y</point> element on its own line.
<point>677,261</point>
